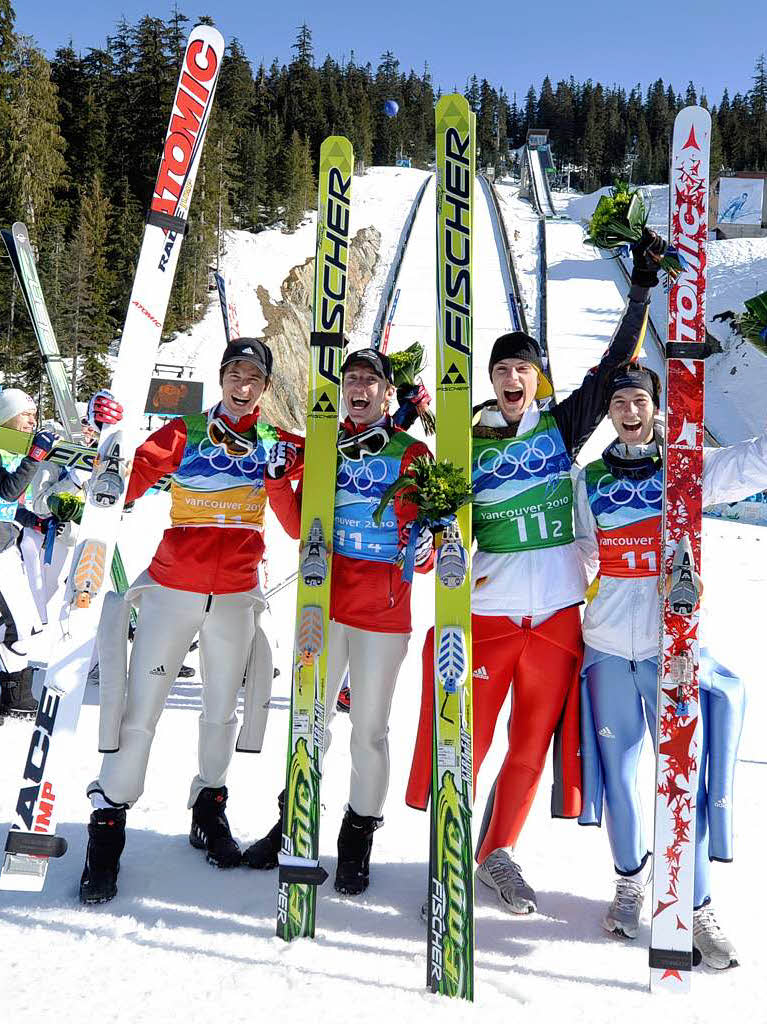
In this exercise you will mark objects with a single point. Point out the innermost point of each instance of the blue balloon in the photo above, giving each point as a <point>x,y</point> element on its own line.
<point>391,108</point>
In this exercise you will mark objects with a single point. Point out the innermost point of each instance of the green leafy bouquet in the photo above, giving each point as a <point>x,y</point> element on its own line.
<point>437,489</point>
<point>406,366</point>
<point>753,323</point>
<point>66,507</point>
<point>619,220</point>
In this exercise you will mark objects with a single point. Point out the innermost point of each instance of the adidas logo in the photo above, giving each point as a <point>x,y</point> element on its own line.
<point>480,673</point>
<point>724,802</point>
<point>159,671</point>
<point>607,733</point>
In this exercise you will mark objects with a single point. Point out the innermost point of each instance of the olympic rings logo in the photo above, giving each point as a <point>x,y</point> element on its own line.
<point>623,492</point>
<point>505,464</point>
<point>362,477</point>
<point>216,455</point>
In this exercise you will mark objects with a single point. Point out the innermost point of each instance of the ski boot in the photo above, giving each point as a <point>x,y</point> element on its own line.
<point>106,841</point>
<point>262,855</point>
<point>709,943</point>
<point>16,700</point>
<point>210,829</point>
<point>501,873</point>
<point>355,842</point>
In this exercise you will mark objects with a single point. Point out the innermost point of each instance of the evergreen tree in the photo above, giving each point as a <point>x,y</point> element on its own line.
<point>31,157</point>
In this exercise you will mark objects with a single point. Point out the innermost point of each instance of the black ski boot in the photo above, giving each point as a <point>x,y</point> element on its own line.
<point>17,700</point>
<point>355,841</point>
<point>262,855</point>
<point>106,841</point>
<point>210,829</point>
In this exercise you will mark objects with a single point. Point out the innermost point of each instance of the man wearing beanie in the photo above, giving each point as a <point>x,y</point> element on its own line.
<point>370,594</point>
<point>619,505</point>
<point>203,579</point>
<point>528,582</point>
<point>18,615</point>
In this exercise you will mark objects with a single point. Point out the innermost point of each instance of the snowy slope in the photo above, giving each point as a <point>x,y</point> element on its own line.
<point>415,315</point>
<point>184,941</point>
<point>521,223</point>
<point>381,197</point>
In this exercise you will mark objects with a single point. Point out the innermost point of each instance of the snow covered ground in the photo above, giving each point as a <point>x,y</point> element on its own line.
<point>185,941</point>
<point>521,223</point>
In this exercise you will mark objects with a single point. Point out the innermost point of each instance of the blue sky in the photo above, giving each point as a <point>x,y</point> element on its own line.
<point>715,47</point>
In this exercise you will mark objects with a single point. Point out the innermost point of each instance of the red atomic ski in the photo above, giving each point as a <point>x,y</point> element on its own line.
<point>678,741</point>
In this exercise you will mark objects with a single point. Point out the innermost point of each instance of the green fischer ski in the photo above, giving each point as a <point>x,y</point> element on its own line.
<point>300,871</point>
<point>450,949</point>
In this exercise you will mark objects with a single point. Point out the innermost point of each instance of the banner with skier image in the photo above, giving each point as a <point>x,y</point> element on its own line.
<point>741,201</point>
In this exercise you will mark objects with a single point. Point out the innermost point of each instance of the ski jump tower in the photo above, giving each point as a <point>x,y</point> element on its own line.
<point>536,165</point>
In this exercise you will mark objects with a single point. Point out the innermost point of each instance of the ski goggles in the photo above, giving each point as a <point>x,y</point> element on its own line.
<point>369,442</point>
<point>235,445</point>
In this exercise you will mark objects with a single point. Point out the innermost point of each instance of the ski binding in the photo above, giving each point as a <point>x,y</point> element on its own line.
<point>452,559</point>
<point>110,472</point>
<point>684,585</point>
<point>314,557</point>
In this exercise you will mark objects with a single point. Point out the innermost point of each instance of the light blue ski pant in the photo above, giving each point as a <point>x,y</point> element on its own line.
<point>623,696</point>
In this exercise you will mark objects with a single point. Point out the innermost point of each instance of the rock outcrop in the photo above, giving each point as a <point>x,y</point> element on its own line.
<point>289,323</point>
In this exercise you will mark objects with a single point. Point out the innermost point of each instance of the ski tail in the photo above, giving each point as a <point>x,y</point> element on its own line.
<point>678,660</point>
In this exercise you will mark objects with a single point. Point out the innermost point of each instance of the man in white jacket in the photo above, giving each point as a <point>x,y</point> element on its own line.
<point>618,529</point>
<point>527,585</point>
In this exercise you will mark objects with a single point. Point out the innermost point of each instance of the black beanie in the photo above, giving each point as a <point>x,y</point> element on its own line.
<point>516,345</point>
<point>634,375</point>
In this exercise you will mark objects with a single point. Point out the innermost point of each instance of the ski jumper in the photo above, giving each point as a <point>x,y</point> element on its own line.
<point>18,612</point>
<point>618,529</point>
<point>369,600</point>
<point>203,579</point>
<point>527,583</point>
<point>47,551</point>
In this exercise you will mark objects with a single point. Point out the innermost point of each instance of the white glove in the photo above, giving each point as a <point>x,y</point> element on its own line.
<point>424,546</point>
<point>282,455</point>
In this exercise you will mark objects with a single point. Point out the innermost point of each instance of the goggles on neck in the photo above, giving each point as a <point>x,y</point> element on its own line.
<point>369,442</point>
<point>221,434</point>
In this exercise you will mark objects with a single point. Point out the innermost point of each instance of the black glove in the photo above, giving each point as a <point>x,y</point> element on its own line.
<point>42,445</point>
<point>647,254</point>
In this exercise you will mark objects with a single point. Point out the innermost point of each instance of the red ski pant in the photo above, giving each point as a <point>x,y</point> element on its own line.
<point>542,665</point>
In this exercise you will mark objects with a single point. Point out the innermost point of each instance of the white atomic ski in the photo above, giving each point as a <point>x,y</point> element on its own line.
<point>31,840</point>
<point>678,708</point>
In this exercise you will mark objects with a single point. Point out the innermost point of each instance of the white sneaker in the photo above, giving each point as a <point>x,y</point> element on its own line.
<point>501,873</point>
<point>622,916</point>
<point>710,942</point>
